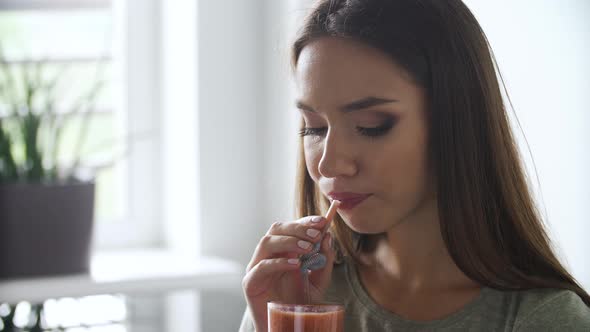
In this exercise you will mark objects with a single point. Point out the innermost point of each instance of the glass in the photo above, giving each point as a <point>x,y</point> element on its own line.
<point>305,317</point>
<point>56,34</point>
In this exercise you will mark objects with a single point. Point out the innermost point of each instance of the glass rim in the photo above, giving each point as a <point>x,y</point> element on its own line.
<point>292,307</point>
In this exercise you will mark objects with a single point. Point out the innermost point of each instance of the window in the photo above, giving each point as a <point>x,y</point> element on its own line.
<point>85,41</point>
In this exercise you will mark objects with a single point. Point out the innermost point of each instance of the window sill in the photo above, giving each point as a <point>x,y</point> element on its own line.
<point>130,272</point>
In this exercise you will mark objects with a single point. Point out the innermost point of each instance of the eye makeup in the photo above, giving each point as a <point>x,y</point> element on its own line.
<point>373,132</point>
<point>377,131</point>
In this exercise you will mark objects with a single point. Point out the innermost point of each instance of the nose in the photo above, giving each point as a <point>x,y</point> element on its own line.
<point>337,157</point>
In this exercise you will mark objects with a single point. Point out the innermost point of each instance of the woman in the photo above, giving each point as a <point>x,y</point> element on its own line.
<point>404,122</point>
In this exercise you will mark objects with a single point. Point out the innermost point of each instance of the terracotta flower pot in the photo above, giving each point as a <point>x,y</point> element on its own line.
<point>45,229</point>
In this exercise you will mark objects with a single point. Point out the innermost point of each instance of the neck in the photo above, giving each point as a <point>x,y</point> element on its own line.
<point>413,254</point>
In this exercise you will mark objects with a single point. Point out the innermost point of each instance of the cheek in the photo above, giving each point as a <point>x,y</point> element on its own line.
<point>403,169</point>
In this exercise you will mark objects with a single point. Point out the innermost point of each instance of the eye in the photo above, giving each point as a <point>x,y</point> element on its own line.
<point>313,131</point>
<point>376,131</point>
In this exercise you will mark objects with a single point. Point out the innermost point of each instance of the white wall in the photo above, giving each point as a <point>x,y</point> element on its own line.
<point>246,137</point>
<point>231,94</point>
<point>247,122</point>
<point>543,47</point>
<point>248,132</point>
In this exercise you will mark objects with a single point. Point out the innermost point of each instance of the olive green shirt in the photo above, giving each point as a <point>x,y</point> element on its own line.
<point>492,310</point>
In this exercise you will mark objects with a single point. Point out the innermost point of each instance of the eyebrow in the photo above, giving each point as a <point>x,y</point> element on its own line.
<point>353,106</point>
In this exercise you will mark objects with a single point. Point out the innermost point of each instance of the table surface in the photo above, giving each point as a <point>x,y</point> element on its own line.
<point>130,272</point>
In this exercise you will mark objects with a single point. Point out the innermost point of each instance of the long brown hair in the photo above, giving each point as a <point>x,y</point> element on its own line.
<point>488,219</point>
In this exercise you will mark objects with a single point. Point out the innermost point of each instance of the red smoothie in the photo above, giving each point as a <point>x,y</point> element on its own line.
<point>305,318</point>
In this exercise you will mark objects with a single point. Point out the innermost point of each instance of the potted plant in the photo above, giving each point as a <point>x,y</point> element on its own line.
<point>46,208</point>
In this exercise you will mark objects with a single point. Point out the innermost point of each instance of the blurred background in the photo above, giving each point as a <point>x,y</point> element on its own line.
<point>194,136</point>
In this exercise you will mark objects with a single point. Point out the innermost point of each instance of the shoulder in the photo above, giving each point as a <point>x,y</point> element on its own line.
<point>551,309</point>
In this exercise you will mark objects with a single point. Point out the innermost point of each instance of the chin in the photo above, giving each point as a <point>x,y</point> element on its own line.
<point>361,227</point>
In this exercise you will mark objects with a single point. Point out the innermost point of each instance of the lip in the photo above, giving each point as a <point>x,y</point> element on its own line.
<point>348,200</point>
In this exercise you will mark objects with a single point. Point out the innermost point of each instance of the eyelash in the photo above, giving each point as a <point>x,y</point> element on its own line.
<point>368,132</point>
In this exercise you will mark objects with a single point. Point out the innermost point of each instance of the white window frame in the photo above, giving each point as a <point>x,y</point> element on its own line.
<point>138,49</point>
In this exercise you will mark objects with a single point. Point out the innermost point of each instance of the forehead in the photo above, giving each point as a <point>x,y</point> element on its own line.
<point>346,69</point>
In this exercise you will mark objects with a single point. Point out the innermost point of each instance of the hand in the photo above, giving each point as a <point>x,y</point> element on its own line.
<point>273,273</point>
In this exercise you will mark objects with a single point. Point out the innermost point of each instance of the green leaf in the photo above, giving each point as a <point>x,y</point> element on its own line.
<point>8,171</point>
<point>33,159</point>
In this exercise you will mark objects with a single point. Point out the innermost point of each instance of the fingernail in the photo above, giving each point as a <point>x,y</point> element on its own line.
<point>312,232</point>
<point>316,219</point>
<point>303,244</point>
<point>293,261</point>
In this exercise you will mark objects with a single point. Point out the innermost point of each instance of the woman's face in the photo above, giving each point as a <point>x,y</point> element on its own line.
<point>365,133</point>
